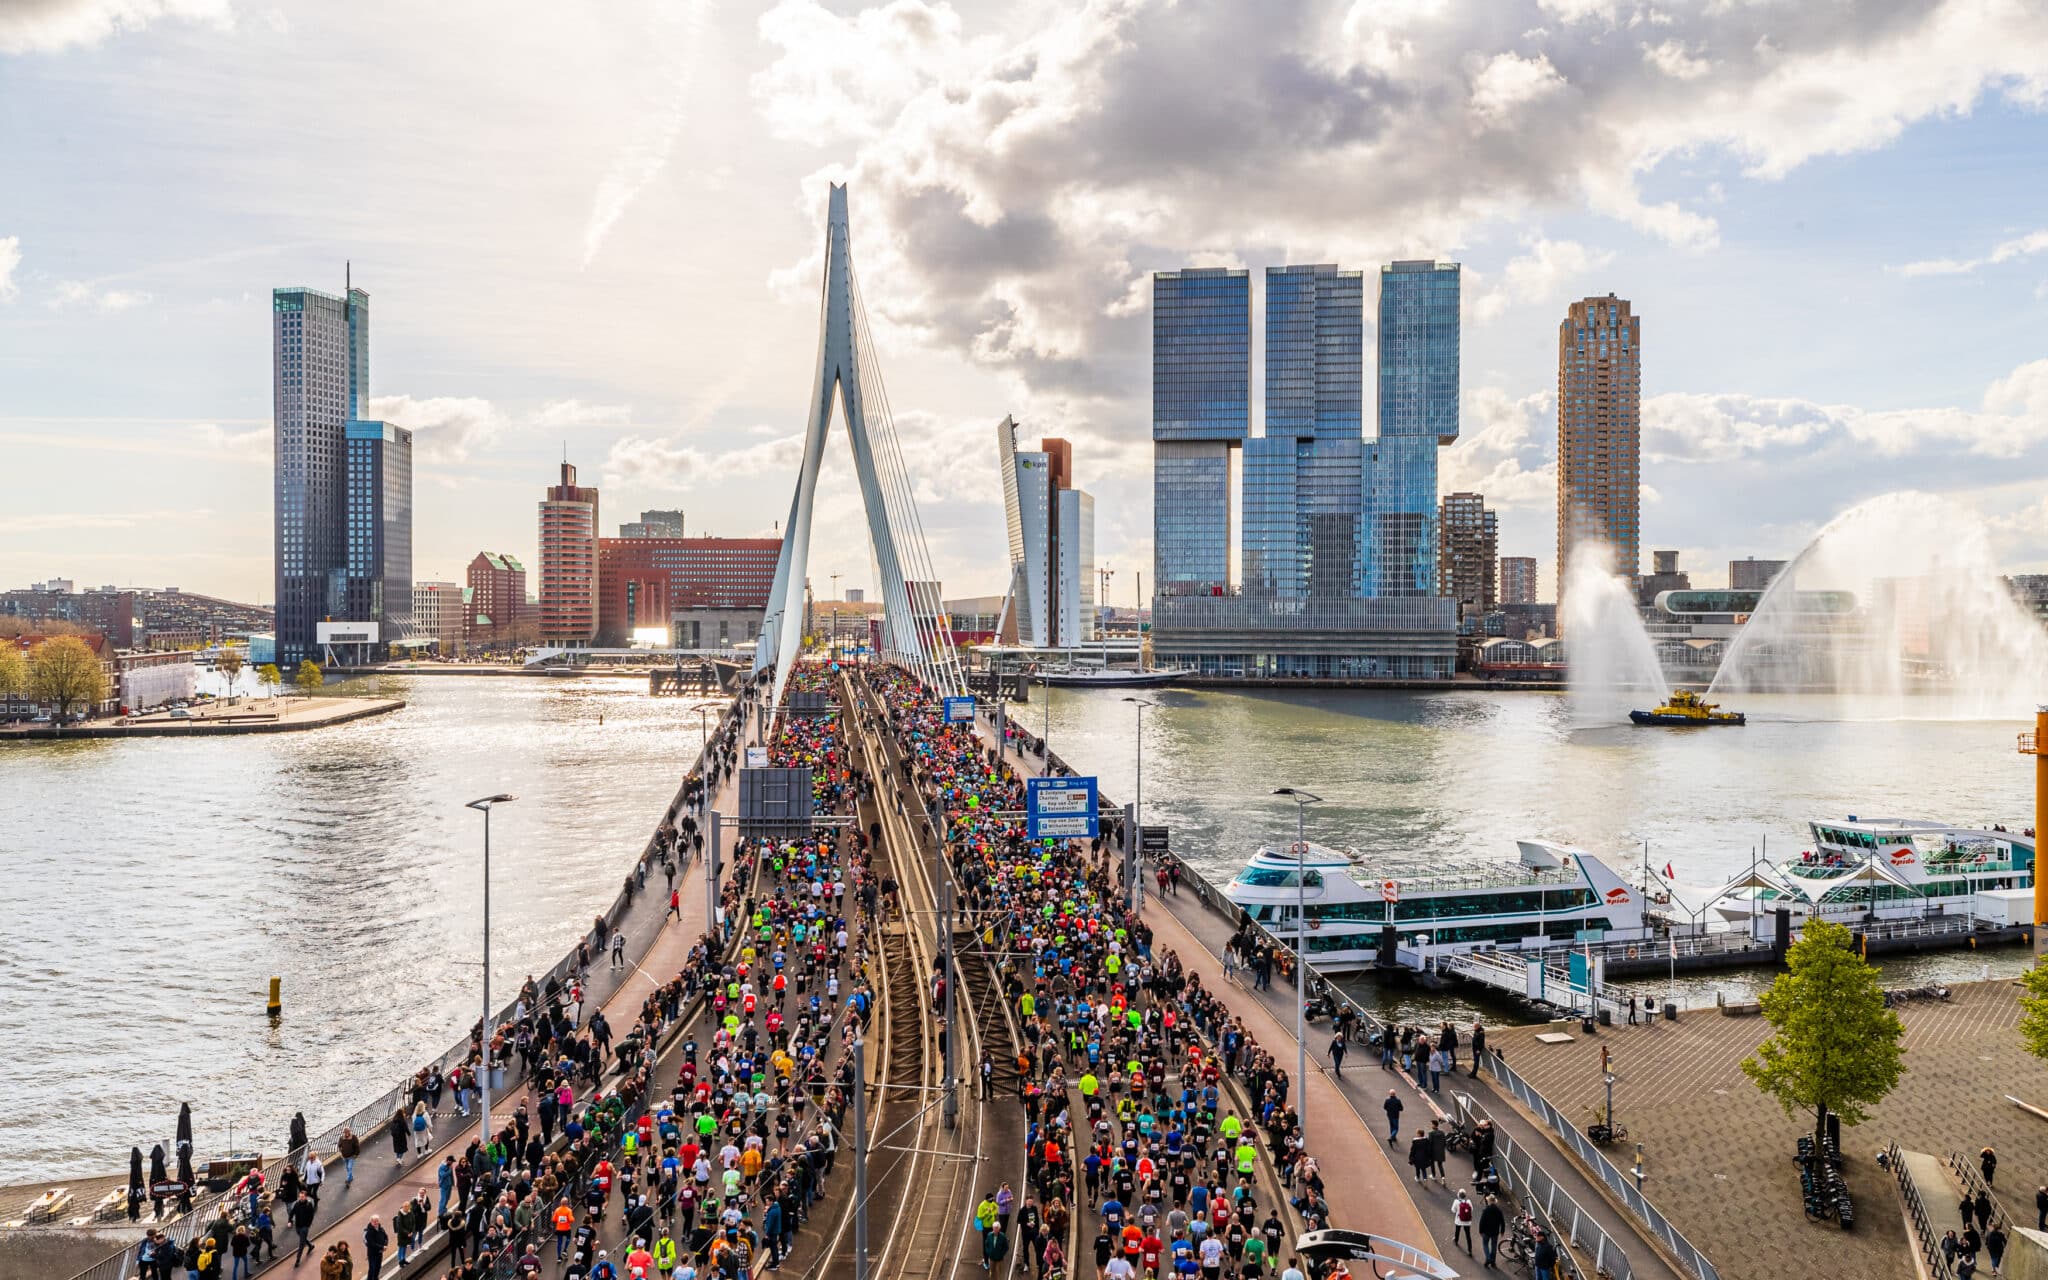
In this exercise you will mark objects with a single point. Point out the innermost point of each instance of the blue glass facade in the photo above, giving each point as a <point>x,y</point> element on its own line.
<point>379,543</point>
<point>1418,410</point>
<point>1201,410</point>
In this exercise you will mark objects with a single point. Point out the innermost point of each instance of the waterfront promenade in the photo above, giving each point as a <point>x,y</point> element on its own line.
<point>247,715</point>
<point>1719,1153</point>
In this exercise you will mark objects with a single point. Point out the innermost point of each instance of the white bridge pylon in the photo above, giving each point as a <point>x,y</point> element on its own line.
<point>914,632</point>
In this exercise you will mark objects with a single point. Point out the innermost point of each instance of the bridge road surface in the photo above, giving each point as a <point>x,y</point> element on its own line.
<point>383,1188</point>
<point>1366,1190</point>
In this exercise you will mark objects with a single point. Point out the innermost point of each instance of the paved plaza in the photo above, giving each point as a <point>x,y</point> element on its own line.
<point>1719,1153</point>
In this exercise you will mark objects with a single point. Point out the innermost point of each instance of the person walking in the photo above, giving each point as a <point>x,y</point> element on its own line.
<point>1994,1246</point>
<point>1419,1155</point>
<point>1337,1048</point>
<point>1392,1106</point>
<point>675,900</point>
<point>1543,1258</point>
<point>1491,1223</point>
<point>311,1174</point>
<point>375,1238</point>
<point>1478,1047</point>
<point>348,1146</point>
<point>398,1130</point>
<point>422,1129</point>
<point>1462,1216</point>
<point>302,1212</point>
<point>1987,1160</point>
<point>618,948</point>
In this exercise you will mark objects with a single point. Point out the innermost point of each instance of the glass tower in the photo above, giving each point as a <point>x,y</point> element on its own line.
<point>320,373</point>
<point>379,546</point>
<point>1418,411</point>
<point>1201,410</point>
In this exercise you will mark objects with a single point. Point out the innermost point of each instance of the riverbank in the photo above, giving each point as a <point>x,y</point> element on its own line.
<point>270,715</point>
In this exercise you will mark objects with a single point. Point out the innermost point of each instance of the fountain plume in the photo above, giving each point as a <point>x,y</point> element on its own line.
<point>1613,666</point>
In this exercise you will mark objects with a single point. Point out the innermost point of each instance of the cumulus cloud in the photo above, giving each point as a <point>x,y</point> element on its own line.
<point>445,428</point>
<point>1011,194</point>
<point>47,26</point>
<point>82,293</point>
<point>1547,271</point>
<point>1506,449</point>
<point>2019,247</point>
<point>655,462</point>
<point>10,258</point>
<point>251,444</point>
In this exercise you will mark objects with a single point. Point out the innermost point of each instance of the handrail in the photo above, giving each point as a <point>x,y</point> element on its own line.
<point>1609,1257</point>
<point>1923,1227</point>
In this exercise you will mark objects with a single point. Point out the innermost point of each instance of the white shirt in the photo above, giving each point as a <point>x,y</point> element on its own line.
<point>1118,1269</point>
<point>1212,1252</point>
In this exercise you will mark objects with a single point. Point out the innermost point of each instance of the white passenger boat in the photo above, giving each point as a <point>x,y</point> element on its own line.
<point>1107,677</point>
<point>1553,892</point>
<point>1883,868</point>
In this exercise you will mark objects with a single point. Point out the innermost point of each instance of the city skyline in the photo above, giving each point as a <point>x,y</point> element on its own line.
<point>692,169</point>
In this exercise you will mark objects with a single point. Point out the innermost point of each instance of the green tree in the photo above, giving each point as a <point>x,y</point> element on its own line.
<point>229,664</point>
<point>270,676</point>
<point>1834,1046</point>
<point>13,671</point>
<point>65,672</point>
<point>309,677</point>
<point>2034,1009</point>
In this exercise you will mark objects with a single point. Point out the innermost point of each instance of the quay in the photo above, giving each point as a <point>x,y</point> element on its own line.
<point>276,715</point>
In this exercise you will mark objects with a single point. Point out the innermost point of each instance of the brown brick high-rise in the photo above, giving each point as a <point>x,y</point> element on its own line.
<point>1599,434</point>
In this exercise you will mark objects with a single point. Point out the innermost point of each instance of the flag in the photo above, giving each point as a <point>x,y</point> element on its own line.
<point>1669,874</point>
<point>1674,946</point>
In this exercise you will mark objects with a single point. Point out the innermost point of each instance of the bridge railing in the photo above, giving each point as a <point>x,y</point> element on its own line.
<point>1531,1185</point>
<point>1623,1187</point>
<point>1925,1239</point>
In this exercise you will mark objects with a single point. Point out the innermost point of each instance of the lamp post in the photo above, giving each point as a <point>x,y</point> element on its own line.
<point>1134,876</point>
<point>1302,800</point>
<point>484,1077</point>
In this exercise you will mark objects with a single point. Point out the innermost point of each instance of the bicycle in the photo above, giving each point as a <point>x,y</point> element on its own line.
<point>1520,1244</point>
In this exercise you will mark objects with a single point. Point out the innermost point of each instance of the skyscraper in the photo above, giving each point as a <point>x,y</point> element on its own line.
<point>1518,579</point>
<point>1051,528</point>
<point>343,518</point>
<point>1302,492</point>
<point>1418,411</point>
<point>568,562</point>
<point>1469,536</point>
<point>1201,410</point>
<point>1752,574</point>
<point>1599,433</point>
<point>319,357</point>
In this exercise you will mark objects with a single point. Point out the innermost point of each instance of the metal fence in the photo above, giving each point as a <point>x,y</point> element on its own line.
<point>1618,1182</point>
<point>1925,1238</point>
<point>206,1210</point>
<point>1532,1186</point>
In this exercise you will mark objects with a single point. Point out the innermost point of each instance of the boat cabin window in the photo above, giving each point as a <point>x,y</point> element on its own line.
<point>1274,878</point>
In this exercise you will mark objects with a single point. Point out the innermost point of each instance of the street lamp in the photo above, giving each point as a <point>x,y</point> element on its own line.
<point>1134,883</point>
<point>484,1076</point>
<point>1302,800</point>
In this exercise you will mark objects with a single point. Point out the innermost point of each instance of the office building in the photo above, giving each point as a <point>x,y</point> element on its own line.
<point>1468,539</point>
<point>378,590</point>
<point>320,346</point>
<point>111,613</point>
<point>499,615</point>
<point>1752,574</point>
<point>438,610</point>
<point>1051,527</point>
<point>1599,433</point>
<point>693,593</point>
<point>1666,576</point>
<point>1201,411</point>
<point>1518,579</point>
<point>1418,412</point>
<point>1303,494</point>
<point>568,562</point>
<point>654,524</point>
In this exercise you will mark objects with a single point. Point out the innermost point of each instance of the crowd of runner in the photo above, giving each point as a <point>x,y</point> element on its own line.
<point>1125,1069</point>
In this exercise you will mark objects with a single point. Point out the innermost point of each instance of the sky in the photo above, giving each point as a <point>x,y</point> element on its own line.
<point>599,229</point>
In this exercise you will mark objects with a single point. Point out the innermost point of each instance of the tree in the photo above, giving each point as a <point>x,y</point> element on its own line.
<point>2034,1009</point>
<point>65,672</point>
<point>309,677</point>
<point>229,664</point>
<point>269,675</point>
<point>1834,1046</point>
<point>13,670</point>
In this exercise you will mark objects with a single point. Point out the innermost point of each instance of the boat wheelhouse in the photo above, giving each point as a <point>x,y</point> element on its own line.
<point>1886,869</point>
<point>1552,894</point>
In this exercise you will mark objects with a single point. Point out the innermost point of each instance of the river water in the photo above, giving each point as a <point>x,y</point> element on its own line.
<point>1418,783</point>
<point>154,887</point>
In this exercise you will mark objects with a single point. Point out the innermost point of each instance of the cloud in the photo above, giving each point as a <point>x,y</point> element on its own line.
<point>61,521</point>
<point>1541,274</point>
<point>249,445</point>
<point>445,428</point>
<point>48,26</point>
<point>10,258</point>
<point>1506,449</point>
<point>646,152</point>
<point>2022,247</point>
<point>82,293</point>
<point>647,461</point>
<point>575,413</point>
<point>1013,192</point>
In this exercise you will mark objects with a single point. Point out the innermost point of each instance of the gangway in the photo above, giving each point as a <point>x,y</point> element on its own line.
<point>1531,978</point>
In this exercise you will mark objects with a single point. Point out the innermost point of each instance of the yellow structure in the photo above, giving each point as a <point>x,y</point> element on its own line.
<point>1687,708</point>
<point>2035,744</point>
<point>276,1005</point>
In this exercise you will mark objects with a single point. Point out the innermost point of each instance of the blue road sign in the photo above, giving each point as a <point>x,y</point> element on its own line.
<point>1060,809</point>
<point>960,710</point>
